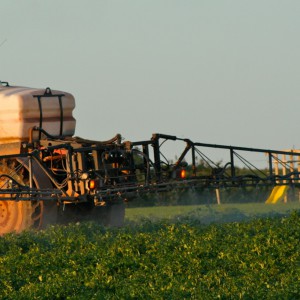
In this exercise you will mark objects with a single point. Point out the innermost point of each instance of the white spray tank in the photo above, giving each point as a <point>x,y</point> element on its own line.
<point>22,108</point>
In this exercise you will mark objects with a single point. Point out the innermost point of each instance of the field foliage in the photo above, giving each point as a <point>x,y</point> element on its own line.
<point>167,259</point>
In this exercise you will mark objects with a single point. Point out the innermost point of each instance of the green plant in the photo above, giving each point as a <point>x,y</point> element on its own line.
<point>181,259</point>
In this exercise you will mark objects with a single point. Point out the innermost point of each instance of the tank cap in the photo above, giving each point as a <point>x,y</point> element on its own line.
<point>48,92</point>
<point>4,83</point>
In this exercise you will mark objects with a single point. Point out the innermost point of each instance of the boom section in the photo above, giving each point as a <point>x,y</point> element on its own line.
<point>81,170</point>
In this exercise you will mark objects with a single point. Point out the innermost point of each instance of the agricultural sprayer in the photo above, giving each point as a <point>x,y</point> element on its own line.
<point>48,175</point>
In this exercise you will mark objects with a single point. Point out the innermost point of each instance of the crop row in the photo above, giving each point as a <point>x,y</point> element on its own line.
<point>259,259</point>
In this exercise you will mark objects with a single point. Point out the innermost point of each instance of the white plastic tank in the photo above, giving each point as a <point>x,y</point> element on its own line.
<point>22,108</point>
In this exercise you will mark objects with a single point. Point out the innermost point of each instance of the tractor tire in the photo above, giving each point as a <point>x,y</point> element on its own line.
<point>115,214</point>
<point>111,215</point>
<point>17,216</point>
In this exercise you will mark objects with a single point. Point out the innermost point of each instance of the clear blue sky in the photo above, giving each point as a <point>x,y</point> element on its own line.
<point>222,72</point>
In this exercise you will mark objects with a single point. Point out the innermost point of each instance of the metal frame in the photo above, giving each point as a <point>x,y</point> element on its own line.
<point>158,177</point>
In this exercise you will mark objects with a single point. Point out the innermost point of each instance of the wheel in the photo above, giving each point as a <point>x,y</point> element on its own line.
<point>16,216</point>
<point>112,214</point>
<point>116,214</point>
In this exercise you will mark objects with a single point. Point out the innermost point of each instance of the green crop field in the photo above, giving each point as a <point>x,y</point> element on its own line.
<point>179,254</point>
<point>212,213</point>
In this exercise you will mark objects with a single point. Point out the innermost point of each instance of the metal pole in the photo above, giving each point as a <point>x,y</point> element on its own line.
<point>232,163</point>
<point>193,161</point>
<point>270,166</point>
<point>30,172</point>
<point>155,143</point>
<point>218,196</point>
